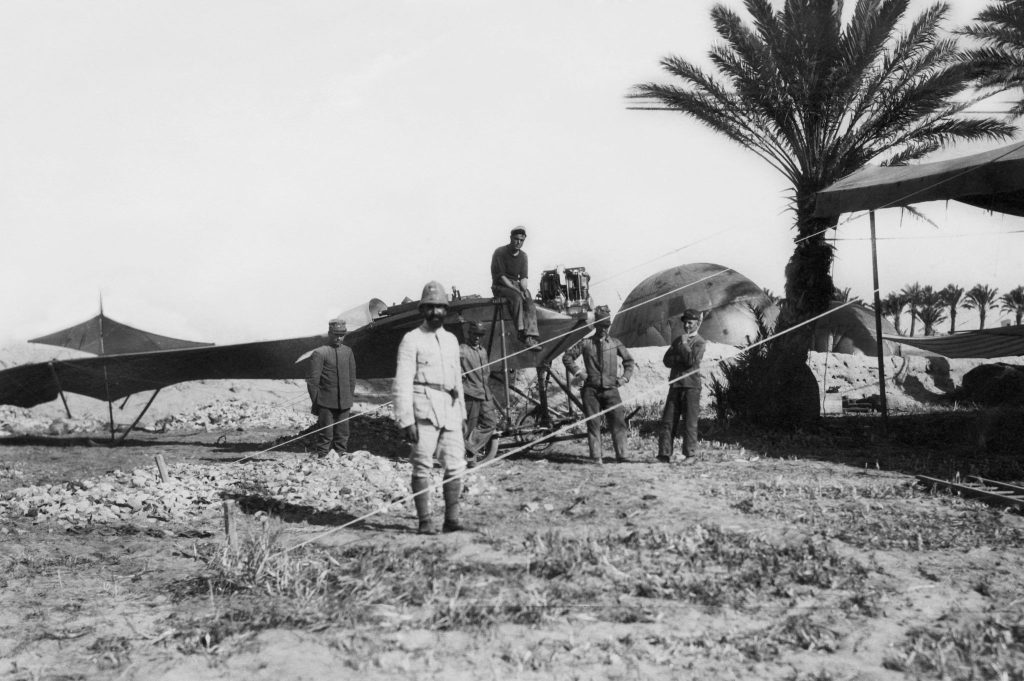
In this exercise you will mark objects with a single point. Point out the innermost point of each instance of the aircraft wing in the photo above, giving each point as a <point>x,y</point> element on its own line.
<point>375,345</point>
<point>112,377</point>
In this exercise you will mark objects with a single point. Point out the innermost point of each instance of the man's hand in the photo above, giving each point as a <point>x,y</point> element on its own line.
<point>412,434</point>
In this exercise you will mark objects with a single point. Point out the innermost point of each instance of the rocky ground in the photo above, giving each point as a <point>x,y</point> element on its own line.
<point>811,555</point>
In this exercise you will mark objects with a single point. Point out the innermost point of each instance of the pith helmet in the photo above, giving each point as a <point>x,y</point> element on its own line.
<point>434,294</point>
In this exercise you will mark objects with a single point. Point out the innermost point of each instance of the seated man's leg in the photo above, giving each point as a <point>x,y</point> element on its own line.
<point>530,319</point>
<point>515,303</point>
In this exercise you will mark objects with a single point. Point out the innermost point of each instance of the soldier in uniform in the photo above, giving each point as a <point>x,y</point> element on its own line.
<point>331,381</point>
<point>601,354</point>
<point>430,409</point>
<point>480,417</point>
<point>683,357</point>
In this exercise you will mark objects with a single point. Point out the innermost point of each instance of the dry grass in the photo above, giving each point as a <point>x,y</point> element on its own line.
<point>988,648</point>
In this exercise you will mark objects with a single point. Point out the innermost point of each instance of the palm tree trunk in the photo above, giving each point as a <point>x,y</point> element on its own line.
<point>809,270</point>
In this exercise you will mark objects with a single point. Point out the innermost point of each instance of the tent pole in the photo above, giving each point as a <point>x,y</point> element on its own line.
<point>60,390</point>
<point>878,328</point>
<point>141,414</point>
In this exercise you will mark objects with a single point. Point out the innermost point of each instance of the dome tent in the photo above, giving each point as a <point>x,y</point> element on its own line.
<point>651,311</point>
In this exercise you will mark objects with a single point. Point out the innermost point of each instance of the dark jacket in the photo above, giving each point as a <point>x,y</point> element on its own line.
<point>601,366</point>
<point>684,357</point>
<point>331,378</point>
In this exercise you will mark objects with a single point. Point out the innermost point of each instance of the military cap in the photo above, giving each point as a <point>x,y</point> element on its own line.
<point>338,325</point>
<point>690,314</point>
<point>602,314</point>
<point>518,231</point>
<point>475,328</point>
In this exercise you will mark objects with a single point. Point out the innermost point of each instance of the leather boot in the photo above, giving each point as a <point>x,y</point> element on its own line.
<point>426,525</point>
<point>452,492</point>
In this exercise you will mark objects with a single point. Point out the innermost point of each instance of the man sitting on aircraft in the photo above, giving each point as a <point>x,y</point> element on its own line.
<point>601,354</point>
<point>331,381</point>
<point>509,271</point>
<point>429,407</point>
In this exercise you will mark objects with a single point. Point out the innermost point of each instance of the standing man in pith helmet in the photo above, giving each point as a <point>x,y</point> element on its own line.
<point>683,357</point>
<point>510,269</point>
<point>601,355</point>
<point>331,381</point>
<point>430,408</point>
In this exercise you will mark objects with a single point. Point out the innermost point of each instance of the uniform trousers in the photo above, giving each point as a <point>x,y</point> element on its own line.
<point>596,400</point>
<point>681,403</point>
<point>446,444</point>
<point>333,430</point>
<point>481,421</point>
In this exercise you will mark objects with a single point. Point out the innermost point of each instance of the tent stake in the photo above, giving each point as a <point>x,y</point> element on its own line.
<point>878,329</point>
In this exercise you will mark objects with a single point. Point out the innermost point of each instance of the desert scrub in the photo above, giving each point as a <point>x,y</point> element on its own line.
<point>704,565</point>
<point>989,648</point>
<point>877,516</point>
<point>261,585</point>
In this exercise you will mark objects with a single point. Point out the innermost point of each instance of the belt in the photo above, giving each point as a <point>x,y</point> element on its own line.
<point>454,392</point>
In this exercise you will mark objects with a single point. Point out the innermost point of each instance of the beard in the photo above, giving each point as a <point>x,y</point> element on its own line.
<point>434,320</point>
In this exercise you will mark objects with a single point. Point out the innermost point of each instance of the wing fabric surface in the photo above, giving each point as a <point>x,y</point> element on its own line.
<point>115,376</point>
<point>101,335</point>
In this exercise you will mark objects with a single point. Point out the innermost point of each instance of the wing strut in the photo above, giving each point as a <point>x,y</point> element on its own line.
<point>60,390</point>
<point>141,414</point>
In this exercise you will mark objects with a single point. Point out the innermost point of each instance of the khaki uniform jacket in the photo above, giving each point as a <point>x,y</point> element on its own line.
<point>475,372</point>
<point>428,368</point>
<point>601,363</point>
<point>684,357</point>
<point>331,379</point>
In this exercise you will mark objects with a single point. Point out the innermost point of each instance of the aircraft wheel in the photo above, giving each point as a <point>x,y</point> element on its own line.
<point>529,430</point>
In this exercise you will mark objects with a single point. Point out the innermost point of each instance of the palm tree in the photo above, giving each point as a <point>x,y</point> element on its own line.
<point>912,294</point>
<point>1000,58</point>
<point>817,99</point>
<point>931,309</point>
<point>1013,302</point>
<point>952,296</point>
<point>981,298</point>
<point>892,307</point>
<point>841,295</point>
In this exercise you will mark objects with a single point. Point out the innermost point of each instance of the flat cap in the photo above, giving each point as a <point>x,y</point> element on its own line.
<point>602,312</point>
<point>690,314</point>
<point>518,231</point>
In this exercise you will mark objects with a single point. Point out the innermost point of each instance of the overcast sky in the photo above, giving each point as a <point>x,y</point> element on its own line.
<point>231,171</point>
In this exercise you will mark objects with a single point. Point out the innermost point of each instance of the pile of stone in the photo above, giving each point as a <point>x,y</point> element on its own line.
<point>236,415</point>
<point>354,484</point>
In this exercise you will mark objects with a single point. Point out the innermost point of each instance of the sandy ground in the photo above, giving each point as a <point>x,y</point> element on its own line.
<point>805,556</point>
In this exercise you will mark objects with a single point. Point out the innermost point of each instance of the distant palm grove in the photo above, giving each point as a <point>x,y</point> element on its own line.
<point>929,309</point>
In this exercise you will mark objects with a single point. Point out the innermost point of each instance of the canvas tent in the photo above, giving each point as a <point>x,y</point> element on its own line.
<point>993,180</point>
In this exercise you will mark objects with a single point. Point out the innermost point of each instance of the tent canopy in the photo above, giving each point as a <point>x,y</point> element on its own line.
<point>1005,341</point>
<point>993,180</point>
<point>101,335</point>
